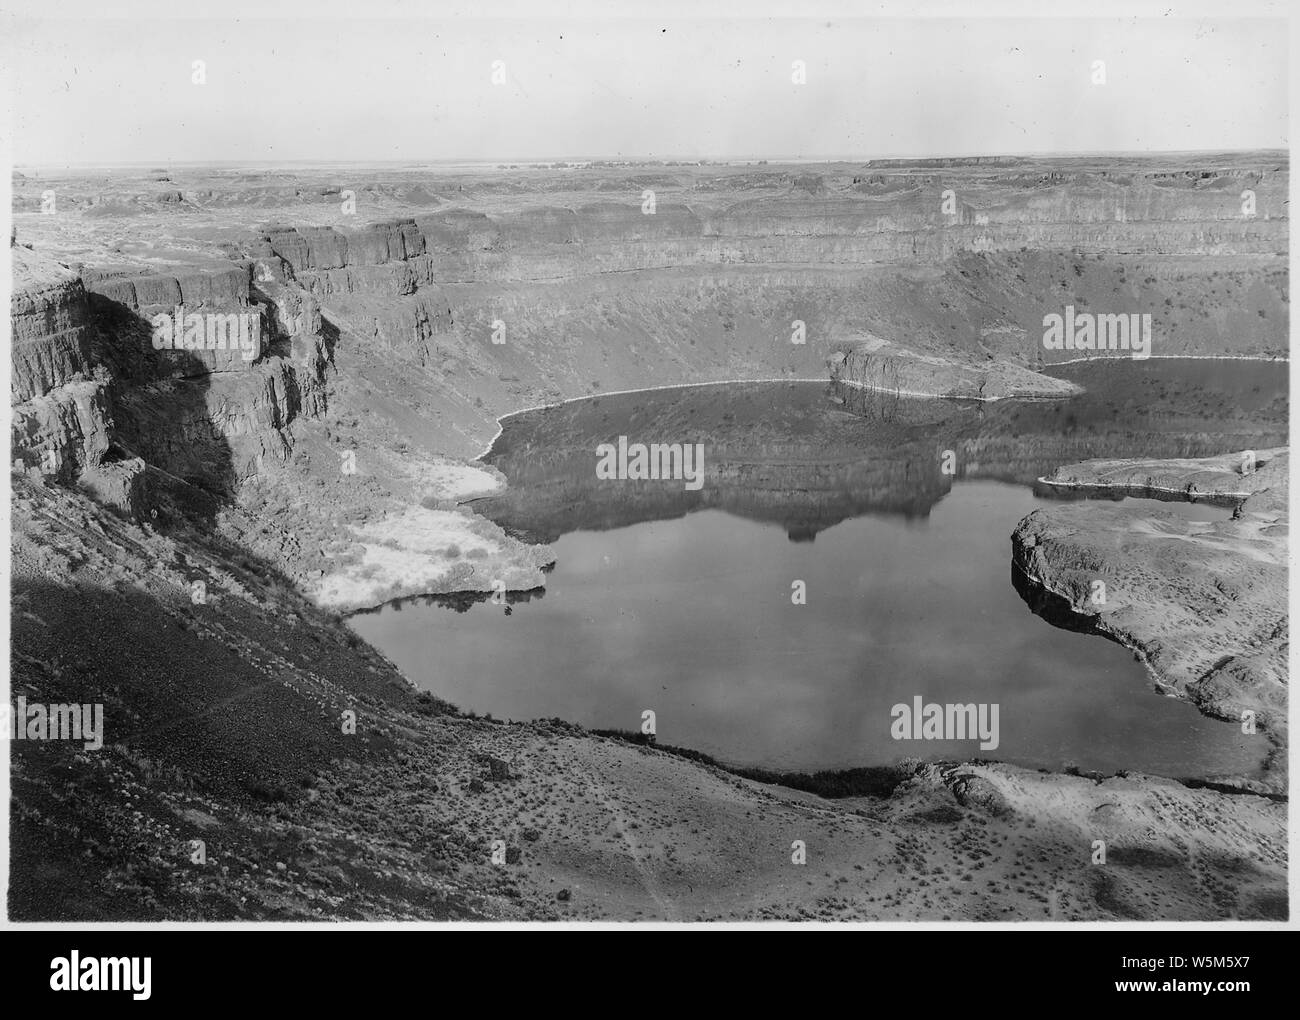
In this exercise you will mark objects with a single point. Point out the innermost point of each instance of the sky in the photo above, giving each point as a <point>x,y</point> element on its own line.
<point>393,88</point>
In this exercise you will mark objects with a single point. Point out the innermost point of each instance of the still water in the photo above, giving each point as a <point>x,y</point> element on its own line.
<point>680,602</point>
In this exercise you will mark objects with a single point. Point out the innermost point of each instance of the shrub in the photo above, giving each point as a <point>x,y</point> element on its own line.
<point>268,792</point>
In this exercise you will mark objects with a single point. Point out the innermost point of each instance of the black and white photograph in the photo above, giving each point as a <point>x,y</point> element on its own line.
<point>650,466</point>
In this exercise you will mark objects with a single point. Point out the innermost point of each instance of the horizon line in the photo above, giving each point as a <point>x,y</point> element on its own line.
<point>721,160</point>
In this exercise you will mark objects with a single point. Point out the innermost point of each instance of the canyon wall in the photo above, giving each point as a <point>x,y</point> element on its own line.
<point>454,269</point>
<point>96,403</point>
<point>393,338</point>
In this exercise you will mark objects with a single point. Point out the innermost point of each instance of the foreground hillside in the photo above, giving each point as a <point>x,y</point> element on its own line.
<point>224,724</point>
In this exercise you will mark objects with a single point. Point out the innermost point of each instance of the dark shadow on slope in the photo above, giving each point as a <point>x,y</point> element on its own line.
<point>161,414</point>
<point>1050,606</point>
<point>203,713</point>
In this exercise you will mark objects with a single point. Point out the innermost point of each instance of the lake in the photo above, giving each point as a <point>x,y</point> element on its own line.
<point>682,602</point>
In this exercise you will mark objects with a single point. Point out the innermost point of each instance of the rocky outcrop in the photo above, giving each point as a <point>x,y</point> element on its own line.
<point>378,282</point>
<point>62,417</point>
<point>51,326</point>
<point>1256,478</point>
<point>137,314</point>
<point>96,403</point>
<point>1202,602</point>
<point>64,431</point>
<point>875,364</point>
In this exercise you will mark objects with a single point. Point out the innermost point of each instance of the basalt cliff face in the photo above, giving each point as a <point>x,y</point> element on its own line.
<point>95,403</point>
<point>556,301</point>
<point>61,415</point>
<point>219,429</point>
<point>585,274</point>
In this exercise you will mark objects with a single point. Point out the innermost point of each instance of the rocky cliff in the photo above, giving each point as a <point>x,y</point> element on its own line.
<point>527,305</point>
<point>61,413</point>
<point>95,400</point>
<point>1203,603</point>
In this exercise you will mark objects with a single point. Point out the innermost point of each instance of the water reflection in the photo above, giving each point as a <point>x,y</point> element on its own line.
<point>808,456</point>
